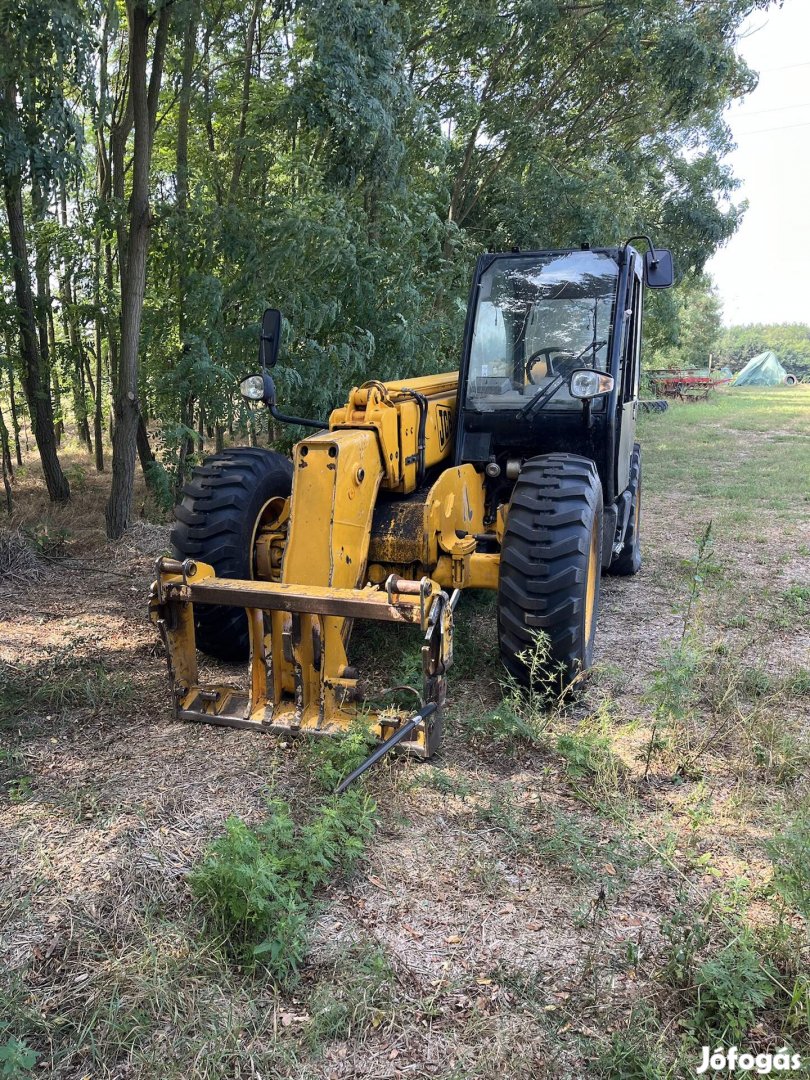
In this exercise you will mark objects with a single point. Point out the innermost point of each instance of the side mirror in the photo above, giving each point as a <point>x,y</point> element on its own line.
<point>270,339</point>
<point>659,272</point>
<point>259,388</point>
<point>586,383</point>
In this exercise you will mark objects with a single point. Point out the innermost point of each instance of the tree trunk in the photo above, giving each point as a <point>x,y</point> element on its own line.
<point>78,391</point>
<point>145,454</point>
<point>12,399</point>
<point>133,278</point>
<point>184,108</point>
<point>239,156</point>
<point>37,387</point>
<point>59,420</point>
<point>104,187</point>
<point>98,415</point>
<point>5,448</point>
<point>8,468</point>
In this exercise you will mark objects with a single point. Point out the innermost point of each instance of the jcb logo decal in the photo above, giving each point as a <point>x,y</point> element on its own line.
<point>444,424</point>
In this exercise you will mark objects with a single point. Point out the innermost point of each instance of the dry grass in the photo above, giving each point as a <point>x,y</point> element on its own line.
<point>19,562</point>
<point>514,912</point>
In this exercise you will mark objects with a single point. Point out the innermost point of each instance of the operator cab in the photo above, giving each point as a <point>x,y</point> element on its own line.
<point>551,360</point>
<point>537,320</point>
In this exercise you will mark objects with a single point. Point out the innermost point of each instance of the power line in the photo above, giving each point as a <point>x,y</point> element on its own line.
<point>776,108</point>
<point>761,131</point>
<point>785,67</point>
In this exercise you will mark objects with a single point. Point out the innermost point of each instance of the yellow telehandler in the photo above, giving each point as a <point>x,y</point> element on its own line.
<point>519,473</point>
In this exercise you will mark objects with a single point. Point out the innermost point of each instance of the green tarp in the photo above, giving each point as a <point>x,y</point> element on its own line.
<point>762,370</point>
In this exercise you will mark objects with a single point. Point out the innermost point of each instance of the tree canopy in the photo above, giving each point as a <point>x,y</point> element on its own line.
<point>344,160</point>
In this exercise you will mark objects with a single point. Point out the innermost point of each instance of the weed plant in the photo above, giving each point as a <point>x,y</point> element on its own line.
<point>524,714</point>
<point>731,989</point>
<point>256,884</point>
<point>790,852</point>
<point>356,997</point>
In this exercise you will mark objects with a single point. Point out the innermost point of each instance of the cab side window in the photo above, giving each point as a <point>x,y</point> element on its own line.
<point>632,355</point>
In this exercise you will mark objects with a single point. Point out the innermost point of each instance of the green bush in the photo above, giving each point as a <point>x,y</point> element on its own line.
<point>256,883</point>
<point>731,989</point>
<point>16,1059</point>
<point>586,754</point>
<point>334,757</point>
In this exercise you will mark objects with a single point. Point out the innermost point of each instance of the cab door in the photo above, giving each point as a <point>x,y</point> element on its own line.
<point>631,373</point>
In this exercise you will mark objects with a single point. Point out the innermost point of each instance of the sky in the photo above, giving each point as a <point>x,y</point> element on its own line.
<point>762,274</point>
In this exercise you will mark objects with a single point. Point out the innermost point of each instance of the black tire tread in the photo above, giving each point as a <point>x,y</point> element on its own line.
<point>214,523</point>
<point>556,501</point>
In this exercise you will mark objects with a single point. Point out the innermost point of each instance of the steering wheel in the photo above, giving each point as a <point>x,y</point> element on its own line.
<point>544,352</point>
<point>570,359</point>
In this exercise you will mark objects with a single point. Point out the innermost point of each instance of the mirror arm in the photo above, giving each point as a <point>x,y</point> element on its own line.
<point>643,236</point>
<point>285,419</point>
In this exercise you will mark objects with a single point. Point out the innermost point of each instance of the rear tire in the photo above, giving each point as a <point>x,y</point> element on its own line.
<point>628,561</point>
<point>216,523</point>
<point>551,565</point>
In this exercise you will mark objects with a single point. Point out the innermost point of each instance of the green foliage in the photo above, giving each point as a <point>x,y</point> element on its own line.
<point>48,541</point>
<point>630,1056</point>
<point>504,727</point>
<point>524,713</point>
<point>676,679</point>
<point>349,172</point>
<point>19,789</point>
<point>730,990</point>
<point>44,53</point>
<point>358,995</point>
<point>586,754</point>
<point>697,323</point>
<point>256,884</point>
<point>16,1059</point>
<point>333,758</point>
<point>797,598</point>
<point>686,934</point>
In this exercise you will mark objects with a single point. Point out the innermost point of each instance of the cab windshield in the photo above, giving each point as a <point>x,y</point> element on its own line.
<point>537,319</point>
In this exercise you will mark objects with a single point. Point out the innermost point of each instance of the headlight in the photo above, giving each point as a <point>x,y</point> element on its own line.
<point>587,383</point>
<point>252,388</point>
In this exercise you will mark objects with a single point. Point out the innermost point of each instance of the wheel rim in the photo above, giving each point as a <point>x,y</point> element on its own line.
<point>269,513</point>
<point>590,585</point>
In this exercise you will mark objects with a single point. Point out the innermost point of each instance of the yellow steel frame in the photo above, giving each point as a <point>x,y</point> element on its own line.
<point>313,557</point>
<point>298,682</point>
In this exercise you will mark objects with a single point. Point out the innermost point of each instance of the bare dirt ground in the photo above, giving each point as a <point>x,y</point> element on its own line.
<point>510,915</point>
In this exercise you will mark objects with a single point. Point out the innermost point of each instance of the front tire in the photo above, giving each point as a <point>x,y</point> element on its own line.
<point>551,565</point>
<point>216,523</point>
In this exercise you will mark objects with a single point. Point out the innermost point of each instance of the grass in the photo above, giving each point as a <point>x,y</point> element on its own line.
<point>61,680</point>
<point>697,450</point>
<point>594,888</point>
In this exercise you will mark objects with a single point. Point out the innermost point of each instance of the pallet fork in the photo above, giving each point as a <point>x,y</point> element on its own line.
<point>300,680</point>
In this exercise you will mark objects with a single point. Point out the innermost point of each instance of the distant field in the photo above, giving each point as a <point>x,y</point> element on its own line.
<point>597,889</point>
